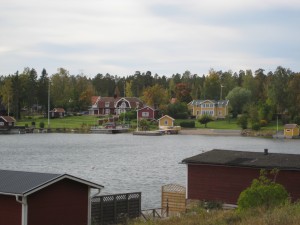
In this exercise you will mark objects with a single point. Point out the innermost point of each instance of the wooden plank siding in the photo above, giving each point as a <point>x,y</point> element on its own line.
<point>10,210</point>
<point>224,183</point>
<point>64,202</point>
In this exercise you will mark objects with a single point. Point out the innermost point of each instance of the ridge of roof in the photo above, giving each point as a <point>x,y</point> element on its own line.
<point>246,159</point>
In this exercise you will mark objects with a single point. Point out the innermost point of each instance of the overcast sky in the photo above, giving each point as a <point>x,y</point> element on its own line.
<point>165,37</point>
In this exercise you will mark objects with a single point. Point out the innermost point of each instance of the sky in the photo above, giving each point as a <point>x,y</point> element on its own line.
<point>165,37</point>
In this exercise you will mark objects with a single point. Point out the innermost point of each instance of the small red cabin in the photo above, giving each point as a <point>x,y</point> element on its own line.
<point>29,198</point>
<point>221,175</point>
<point>146,113</point>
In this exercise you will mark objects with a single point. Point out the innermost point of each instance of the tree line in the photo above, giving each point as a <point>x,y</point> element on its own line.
<point>259,93</point>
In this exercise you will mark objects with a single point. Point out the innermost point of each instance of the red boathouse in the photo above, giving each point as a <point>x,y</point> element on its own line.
<point>29,198</point>
<point>221,175</point>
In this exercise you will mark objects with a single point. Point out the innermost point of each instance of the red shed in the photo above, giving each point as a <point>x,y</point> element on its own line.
<point>221,175</point>
<point>146,113</point>
<point>29,198</point>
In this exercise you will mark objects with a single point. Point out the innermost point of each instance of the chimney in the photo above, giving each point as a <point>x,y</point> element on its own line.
<point>266,151</point>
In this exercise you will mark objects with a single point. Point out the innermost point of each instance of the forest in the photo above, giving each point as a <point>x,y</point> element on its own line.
<point>262,95</point>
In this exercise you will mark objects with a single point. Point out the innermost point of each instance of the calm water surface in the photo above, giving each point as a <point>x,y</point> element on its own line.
<point>122,162</point>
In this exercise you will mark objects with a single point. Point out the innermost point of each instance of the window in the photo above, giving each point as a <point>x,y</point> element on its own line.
<point>1,123</point>
<point>145,114</point>
<point>166,122</point>
<point>288,130</point>
<point>107,111</point>
<point>106,104</point>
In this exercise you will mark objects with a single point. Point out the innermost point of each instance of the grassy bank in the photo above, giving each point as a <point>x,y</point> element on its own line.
<point>79,122</point>
<point>286,215</point>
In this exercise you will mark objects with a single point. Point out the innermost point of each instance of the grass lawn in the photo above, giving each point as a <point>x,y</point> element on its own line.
<point>76,122</point>
<point>70,122</point>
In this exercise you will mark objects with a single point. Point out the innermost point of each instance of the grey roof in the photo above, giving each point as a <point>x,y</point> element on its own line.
<point>25,183</point>
<point>246,159</point>
<point>219,103</point>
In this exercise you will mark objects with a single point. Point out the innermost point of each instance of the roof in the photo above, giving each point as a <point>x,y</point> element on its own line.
<point>166,116</point>
<point>219,103</point>
<point>26,183</point>
<point>290,126</point>
<point>8,119</point>
<point>58,110</point>
<point>246,159</point>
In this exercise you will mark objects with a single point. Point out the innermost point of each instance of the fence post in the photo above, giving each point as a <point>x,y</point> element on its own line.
<point>115,209</point>
<point>167,207</point>
<point>101,210</point>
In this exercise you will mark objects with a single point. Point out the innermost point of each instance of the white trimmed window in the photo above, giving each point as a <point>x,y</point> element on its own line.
<point>145,114</point>
<point>106,104</point>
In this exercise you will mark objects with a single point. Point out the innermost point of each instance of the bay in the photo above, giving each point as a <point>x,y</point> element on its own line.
<point>123,162</point>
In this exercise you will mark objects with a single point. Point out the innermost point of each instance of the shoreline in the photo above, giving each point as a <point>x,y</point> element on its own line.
<point>213,132</point>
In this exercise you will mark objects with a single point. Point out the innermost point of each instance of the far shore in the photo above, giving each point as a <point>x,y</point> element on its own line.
<point>214,132</point>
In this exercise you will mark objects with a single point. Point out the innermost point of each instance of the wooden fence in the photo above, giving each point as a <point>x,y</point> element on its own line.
<point>113,209</point>
<point>173,198</point>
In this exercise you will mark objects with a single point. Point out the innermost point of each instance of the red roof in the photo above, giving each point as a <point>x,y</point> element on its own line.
<point>58,110</point>
<point>8,119</point>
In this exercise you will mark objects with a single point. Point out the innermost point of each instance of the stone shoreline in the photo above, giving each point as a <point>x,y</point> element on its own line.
<point>214,132</point>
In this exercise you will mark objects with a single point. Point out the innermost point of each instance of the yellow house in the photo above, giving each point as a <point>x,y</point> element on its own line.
<point>217,109</point>
<point>165,122</point>
<point>291,130</point>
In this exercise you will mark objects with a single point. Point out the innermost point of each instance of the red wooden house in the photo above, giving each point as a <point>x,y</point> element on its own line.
<point>28,198</point>
<point>147,113</point>
<point>221,175</point>
<point>7,121</point>
<point>114,105</point>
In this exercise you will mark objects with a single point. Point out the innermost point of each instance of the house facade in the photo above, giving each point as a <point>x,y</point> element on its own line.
<point>7,122</point>
<point>291,130</point>
<point>147,113</point>
<point>114,106</point>
<point>29,198</point>
<point>216,109</point>
<point>57,113</point>
<point>221,175</point>
<point>165,122</point>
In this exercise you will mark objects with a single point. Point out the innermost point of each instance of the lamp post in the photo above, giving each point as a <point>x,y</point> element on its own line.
<point>49,104</point>
<point>137,116</point>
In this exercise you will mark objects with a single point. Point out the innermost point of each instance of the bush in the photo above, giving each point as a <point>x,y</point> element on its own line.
<point>263,123</point>
<point>256,126</point>
<point>188,124</point>
<point>263,192</point>
<point>42,124</point>
<point>243,121</point>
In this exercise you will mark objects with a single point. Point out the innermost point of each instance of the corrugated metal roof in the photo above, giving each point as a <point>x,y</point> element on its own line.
<point>24,183</point>
<point>246,159</point>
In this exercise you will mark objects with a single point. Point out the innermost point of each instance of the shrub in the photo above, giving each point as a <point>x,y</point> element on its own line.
<point>243,121</point>
<point>263,192</point>
<point>263,123</point>
<point>255,126</point>
<point>188,124</point>
<point>42,124</point>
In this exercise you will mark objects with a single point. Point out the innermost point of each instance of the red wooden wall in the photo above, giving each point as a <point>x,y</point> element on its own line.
<point>65,202</point>
<point>221,183</point>
<point>10,210</point>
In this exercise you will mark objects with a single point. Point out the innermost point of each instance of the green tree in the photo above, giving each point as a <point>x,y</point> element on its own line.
<point>243,121</point>
<point>155,96</point>
<point>263,192</point>
<point>212,85</point>
<point>6,93</point>
<point>42,92</point>
<point>177,110</point>
<point>205,119</point>
<point>238,98</point>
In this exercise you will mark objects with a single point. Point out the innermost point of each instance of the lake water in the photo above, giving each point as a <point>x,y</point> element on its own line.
<point>123,162</point>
